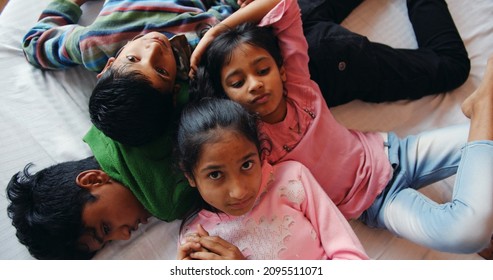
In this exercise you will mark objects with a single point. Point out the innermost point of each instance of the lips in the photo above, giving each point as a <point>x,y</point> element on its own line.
<point>260,99</point>
<point>241,204</point>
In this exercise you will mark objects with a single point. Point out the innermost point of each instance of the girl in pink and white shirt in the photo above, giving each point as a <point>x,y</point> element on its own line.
<point>370,176</point>
<point>266,212</point>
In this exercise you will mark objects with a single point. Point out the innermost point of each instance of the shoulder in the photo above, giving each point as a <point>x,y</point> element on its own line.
<point>290,168</point>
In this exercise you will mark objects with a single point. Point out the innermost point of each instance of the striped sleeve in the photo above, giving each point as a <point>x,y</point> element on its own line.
<point>46,45</point>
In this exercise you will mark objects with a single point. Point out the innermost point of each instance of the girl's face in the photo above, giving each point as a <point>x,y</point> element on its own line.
<point>253,79</point>
<point>228,173</point>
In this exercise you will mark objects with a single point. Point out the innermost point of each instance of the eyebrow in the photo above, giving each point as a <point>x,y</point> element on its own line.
<point>214,167</point>
<point>254,62</point>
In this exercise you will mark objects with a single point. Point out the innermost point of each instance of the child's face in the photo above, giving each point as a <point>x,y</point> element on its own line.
<point>152,55</point>
<point>113,216</point>
<point>253,79</point>
<point>228,174</point>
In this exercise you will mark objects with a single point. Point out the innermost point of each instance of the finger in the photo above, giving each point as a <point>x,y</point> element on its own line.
<point>193,72</point>
<point>201,231</point>
<point>245,3</point>
<point>217,245</point>
<point>222,248</point>
<point>205,255</point>
<point>184,251</point>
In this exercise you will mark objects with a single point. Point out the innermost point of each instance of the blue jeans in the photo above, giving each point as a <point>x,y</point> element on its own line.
<point>462,225</point>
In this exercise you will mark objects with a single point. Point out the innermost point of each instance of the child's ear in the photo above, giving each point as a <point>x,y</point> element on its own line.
<point>282,71</point>
<point>92,178</point>
<point>107,66</point>
<point>190,179</point>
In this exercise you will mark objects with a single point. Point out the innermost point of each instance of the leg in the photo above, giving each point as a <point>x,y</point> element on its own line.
<point>326,10</point>
<point>465,224</point>
<point>478,107</point>
<point>348,66</point>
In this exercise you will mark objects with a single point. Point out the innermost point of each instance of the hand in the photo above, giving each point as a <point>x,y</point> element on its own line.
<point>192,244</point>
<point>243,3</point>
<point>211,248</point>
<point>199,50</point>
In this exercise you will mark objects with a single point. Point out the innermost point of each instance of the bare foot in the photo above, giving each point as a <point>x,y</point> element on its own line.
<point>482,97</point>
<point>468,104</point>
<point>488,252</point>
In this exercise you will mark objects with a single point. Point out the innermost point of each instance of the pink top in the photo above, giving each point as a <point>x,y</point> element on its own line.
<point>351,166</point>
<point>293,218</point>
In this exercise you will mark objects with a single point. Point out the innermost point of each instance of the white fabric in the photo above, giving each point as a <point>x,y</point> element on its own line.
<point>44,116</point>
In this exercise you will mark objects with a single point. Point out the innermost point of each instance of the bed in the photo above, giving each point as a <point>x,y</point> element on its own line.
<point>44,116</point>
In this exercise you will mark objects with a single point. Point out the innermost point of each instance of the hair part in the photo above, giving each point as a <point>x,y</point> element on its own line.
<point>127,108</point>
<point>46,209</point>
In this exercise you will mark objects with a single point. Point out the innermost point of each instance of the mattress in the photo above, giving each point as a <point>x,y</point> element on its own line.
<point>44,116</point>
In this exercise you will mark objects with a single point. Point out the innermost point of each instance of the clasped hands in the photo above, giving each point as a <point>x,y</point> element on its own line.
<point>201,246</point>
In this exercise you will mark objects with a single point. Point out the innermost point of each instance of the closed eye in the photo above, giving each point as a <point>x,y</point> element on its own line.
<point>162,71</point>
<point>106,229</point>
<point>264,71</point>
<point>237,84</point>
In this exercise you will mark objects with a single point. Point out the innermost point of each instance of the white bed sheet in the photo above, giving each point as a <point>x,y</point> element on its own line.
<point>44,116</point>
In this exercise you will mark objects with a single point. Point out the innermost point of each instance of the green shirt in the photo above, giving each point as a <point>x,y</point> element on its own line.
<point>148,171</point>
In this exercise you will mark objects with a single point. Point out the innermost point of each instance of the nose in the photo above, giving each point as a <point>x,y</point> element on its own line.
<point>237,190</point>
<point>153,52</point>
<point>255,85</point>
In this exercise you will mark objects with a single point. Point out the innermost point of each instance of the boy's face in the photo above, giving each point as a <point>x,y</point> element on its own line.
<point>113,216</point>
<point>253,79</point>
<point>228,173</point>
<point>152,55</point>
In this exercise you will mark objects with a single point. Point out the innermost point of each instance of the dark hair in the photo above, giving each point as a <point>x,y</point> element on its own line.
<point>46,209</point>
<point>127,108</point>
<point>199,124</point>
<point>207,81</point>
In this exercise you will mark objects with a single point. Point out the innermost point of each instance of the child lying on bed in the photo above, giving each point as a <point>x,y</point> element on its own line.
<point>55,210</point>
<point>112,157</point>
<point>146,170</point>
<point>369,176</point>
<point>269,212</point>
<point>346,65</point>
<point>49,219</point>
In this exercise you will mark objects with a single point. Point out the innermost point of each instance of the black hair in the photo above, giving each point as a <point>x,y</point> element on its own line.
<point>46,209</point>
<point>207,81</point>
<point>199,124</point>
<point>127,108</point>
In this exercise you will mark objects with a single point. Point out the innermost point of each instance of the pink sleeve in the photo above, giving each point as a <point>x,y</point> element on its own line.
<point>285,19</point>
<point>336,235</point>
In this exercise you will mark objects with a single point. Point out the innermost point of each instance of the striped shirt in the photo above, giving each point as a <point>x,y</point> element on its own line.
<point>58,42</point>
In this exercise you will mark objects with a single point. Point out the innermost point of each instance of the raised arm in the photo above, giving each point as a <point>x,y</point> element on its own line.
<point>253,12</point>
<point>53,43</point>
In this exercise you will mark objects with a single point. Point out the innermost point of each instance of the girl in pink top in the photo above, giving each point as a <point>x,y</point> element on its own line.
<point>368,175</point>
<point>267,212</point>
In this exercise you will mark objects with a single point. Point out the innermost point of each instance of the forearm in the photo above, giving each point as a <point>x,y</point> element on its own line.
<point>43,44</point>
<point>254,12</point>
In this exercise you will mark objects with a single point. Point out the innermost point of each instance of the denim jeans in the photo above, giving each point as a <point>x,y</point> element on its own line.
<point>462,225</point>
<point>347,66</point>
